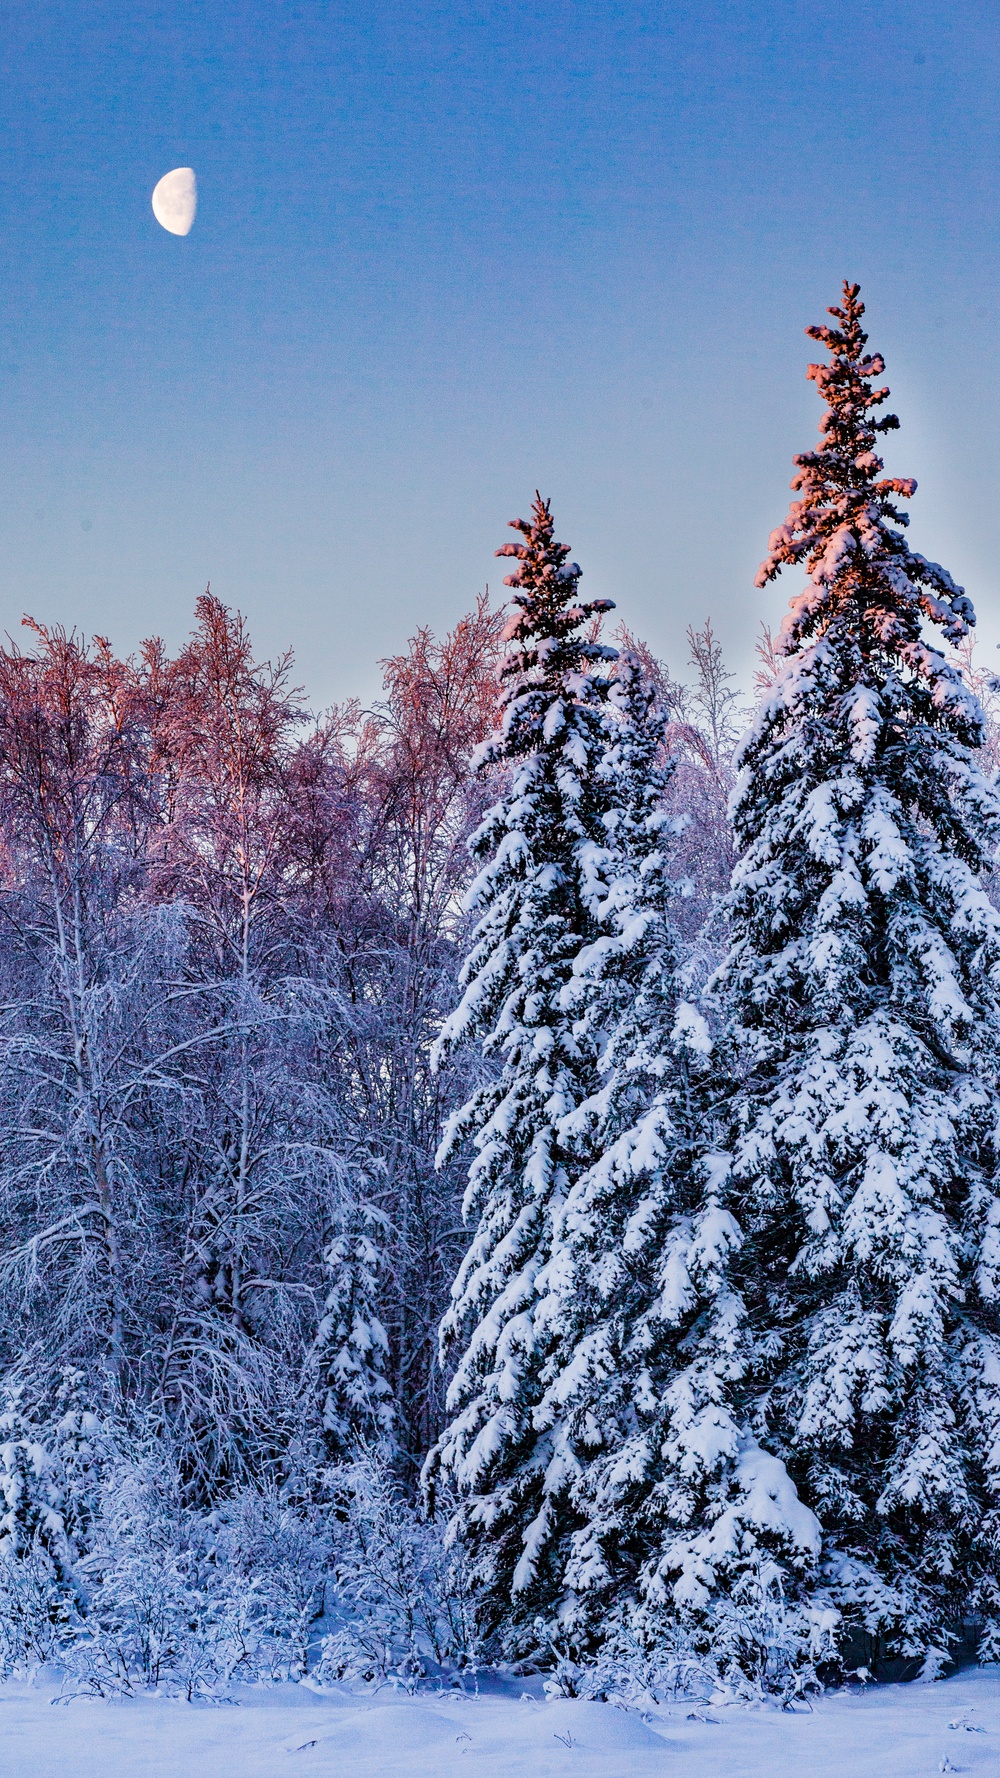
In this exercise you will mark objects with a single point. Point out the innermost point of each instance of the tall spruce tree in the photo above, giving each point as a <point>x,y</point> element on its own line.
<point>682,1532</point>
<point>618,1278</point>
<point>543,844</point>
<point>864,978</point>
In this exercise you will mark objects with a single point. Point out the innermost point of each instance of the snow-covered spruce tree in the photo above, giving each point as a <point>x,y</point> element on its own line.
<point>682,1533</point>
<point>542,844</point>
<point>30,1495</point>
<point>621,1233</point>
<point>79,1443</point>
<point>50,1460</point>
<point>863,979</point>
<point>351,1346</point>
<point>38,1588</point>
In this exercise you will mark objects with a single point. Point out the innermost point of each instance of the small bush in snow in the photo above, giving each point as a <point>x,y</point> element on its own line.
<point>749,1646</point>
<point>191,1602</point>
<point>402,1598</point>
<point>36,1613</point>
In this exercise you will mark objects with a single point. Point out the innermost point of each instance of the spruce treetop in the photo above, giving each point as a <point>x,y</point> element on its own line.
<point>847,529</point>
<point>547,657</point>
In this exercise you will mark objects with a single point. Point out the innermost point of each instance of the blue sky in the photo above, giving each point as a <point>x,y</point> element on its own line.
<point>448,252</point>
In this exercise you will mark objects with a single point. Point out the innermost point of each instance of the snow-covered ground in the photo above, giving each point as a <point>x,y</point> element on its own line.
<point>890,1732</point>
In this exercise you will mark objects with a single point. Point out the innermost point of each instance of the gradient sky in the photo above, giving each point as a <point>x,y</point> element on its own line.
<point>445,253</point>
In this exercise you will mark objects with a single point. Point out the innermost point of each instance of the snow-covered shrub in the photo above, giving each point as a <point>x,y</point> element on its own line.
<point>37,1614</point>
<point>630,1669</point>
<point>149,1612</point>
<point>750,1644</point>
<point>275,1559</point>
<point>150,1623</point>
<point>401,1596</point>
<point>190,1601</point>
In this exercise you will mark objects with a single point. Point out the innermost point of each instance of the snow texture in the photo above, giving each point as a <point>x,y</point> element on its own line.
<point>887,1732</point>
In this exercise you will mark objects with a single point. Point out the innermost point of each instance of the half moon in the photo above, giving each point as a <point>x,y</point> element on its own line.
<point>175,200</point>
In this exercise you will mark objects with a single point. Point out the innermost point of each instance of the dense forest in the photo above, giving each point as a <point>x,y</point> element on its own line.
<point>509,1175</point>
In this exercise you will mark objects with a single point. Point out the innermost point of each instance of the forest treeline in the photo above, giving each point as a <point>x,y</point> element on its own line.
<point>508,1174</point>
<point>231,934</point>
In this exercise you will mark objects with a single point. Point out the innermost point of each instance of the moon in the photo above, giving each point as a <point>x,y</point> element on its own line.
<point>175,200</point>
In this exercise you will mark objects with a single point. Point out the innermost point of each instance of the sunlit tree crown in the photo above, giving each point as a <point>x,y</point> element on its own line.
<point>847,528</point>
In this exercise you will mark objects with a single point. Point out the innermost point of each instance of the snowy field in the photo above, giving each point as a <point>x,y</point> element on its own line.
<point>891,1732</point>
